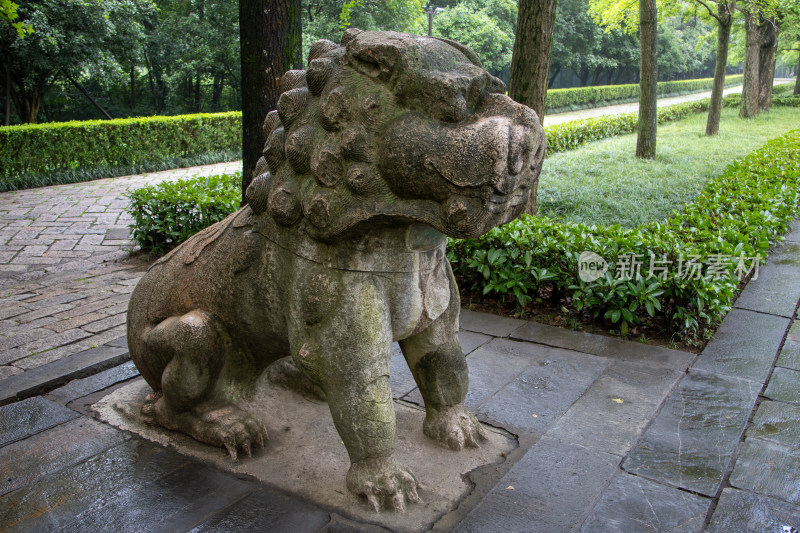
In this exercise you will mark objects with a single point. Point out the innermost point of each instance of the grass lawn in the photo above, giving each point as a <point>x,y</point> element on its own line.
<point>603,183</point>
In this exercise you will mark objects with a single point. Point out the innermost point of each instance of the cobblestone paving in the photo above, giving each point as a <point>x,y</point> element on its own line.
<point>65,266</point>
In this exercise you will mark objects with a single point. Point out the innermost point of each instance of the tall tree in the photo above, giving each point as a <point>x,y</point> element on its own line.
<point>270,37</point>
<point>616,13</point>
<point>723,15</point>
<point>530,59</point>
<point>768,43</point>
<point>750,86</point>
<point>68,37</point>
<point>648,81</point>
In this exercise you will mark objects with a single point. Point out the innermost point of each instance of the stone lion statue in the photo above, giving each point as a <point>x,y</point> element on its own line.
<point>386,144</point>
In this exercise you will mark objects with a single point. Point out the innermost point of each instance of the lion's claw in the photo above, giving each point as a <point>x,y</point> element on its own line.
<point>383,483</point>
<point>226,426</point>
<point>455,427</point>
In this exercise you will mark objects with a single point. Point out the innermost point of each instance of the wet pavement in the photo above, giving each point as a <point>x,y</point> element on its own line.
<point>611,435</point>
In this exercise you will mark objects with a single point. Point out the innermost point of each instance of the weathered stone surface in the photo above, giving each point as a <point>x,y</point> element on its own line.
<point>744,345</point>
<point>603,345</point>
<point>784,385</point>
<point>632,503</point>
<point>691,441</point>
<point>267,510</point>
<point>746,512</point>
<point>794,233</point>
<point>553,380</point>
<point>471,341</point>
<point>492,367</point>
<point>768,468</point>
<point>28,417</point>
<point>790,352</point>
<point>24,462</point>
<point>314,469</point>
<point>176,502</point>
<point>545,491</point>
<point>777,288</point>
<point>400,376</point>
<point>614,411</point>
<point>488,324</point>
<point>49,376</point>
<point>776,422</point>
<point>81,387</point>
<point>121,342</point>
<point>374,157</point>
<point>59,500</point>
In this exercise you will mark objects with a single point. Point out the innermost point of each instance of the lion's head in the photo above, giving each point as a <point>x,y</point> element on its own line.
<point>390,127</point>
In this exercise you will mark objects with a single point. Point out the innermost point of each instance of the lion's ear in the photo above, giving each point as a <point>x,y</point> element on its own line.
<point>374,55</point>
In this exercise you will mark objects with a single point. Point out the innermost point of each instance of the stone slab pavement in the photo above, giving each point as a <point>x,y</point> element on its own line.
<point>65,267</point>
<point>611,435</point>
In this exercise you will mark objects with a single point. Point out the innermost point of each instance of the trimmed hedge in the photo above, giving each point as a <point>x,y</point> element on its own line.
<point>40,154</point>
<point>569,135</point>
<point>735,100</point>
<point>725,233</point>
<point>167,214</point>
<point>602,94</point>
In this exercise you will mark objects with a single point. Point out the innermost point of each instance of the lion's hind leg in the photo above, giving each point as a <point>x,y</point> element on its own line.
<point>187,398</point>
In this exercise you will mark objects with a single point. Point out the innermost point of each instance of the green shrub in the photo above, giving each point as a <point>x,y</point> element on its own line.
<point>167,214</point>
<point>41,154</point>
<point>603,94</point>
<point>570,135</point>
<point>726,231</point>
<point>780,98</point>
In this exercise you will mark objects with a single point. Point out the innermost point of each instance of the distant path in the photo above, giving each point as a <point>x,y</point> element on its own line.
<point>558,118</point>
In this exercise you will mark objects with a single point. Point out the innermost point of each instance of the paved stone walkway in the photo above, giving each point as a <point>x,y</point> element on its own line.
<point>65,272</point>
<point>613,436</point>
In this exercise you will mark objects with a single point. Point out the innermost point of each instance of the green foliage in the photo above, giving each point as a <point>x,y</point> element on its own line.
<point>602,183</point>
<point>42,150</point>
<point>8,12</point>
<point>601,95</point>
<point>69,37</point>
<point>570,135</point>
<point>735,101</point>
<point>726,231</point>
<point>491,39</point>
<point>167,214</point>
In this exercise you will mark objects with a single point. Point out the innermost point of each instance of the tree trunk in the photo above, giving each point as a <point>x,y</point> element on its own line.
<point>197,94</point>
<point>766,63</point>
<point>797,77</point>
<point>219,84</point>
<point>269,37</point>
<point>8,96</point>
<point>530,60</point>
<point>723,38</point>
<point>749,106</point>
<point>86,94</point>
<point>648,84</point>
<point>133,88</point>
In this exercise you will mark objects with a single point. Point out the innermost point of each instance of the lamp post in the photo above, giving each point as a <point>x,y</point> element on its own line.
<point>431,12</point>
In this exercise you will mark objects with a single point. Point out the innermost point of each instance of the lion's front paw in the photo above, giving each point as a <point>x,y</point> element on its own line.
<point>384,483</point>
<point>454,427</point>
